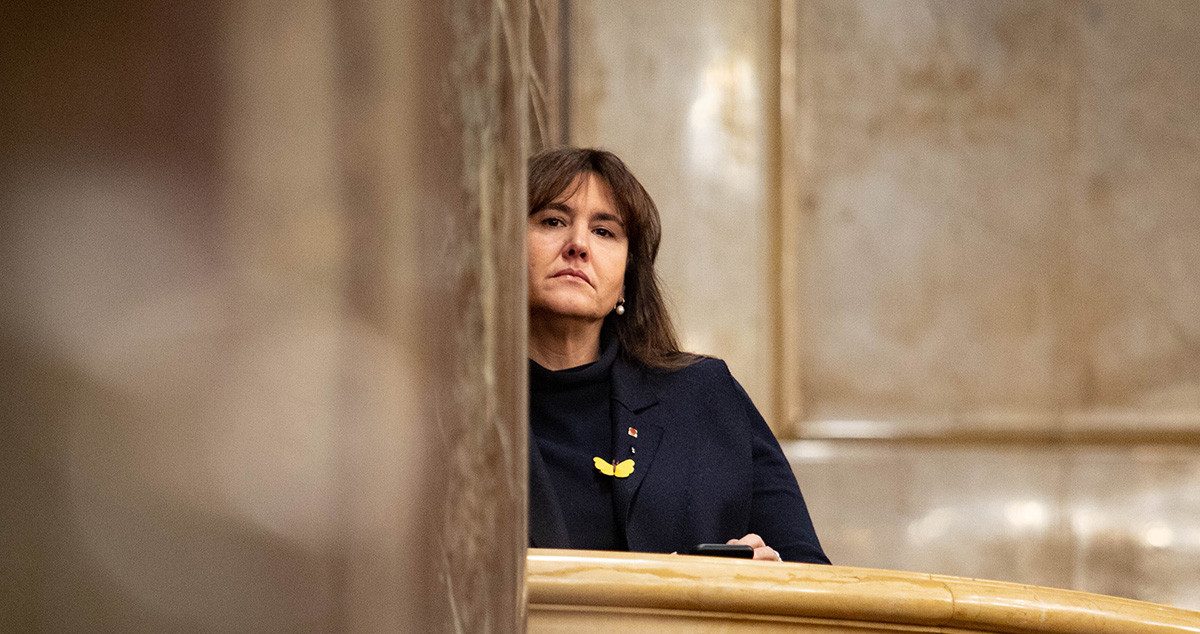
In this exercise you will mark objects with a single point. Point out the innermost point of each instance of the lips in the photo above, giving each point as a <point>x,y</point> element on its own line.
<point>573,273</point>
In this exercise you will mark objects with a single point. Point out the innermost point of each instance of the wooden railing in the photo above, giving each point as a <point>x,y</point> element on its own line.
<point>591,591</point>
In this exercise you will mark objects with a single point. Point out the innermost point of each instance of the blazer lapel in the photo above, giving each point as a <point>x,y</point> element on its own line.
<point>637,434</point>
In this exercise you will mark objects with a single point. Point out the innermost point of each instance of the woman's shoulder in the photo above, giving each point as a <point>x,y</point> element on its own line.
<point>706,366</point>
<point>703,373</point>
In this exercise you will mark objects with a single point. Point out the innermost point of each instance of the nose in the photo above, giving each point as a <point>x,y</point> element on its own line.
<point>577,247</point>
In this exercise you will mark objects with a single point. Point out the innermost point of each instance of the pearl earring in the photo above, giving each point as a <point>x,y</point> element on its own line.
<point>620,307</point>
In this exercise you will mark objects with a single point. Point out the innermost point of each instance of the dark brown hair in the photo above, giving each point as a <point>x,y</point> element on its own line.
<point>645,331</point>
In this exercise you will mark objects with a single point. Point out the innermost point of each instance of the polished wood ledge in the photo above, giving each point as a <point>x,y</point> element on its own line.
<point>578,590</point>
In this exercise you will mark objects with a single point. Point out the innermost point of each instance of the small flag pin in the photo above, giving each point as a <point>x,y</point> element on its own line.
<point>633,432</point>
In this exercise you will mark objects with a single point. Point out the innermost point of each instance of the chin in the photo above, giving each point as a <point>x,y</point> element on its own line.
<point>569,310</point>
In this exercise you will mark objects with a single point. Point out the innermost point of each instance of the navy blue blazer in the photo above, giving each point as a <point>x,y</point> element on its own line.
<point>706,468</point>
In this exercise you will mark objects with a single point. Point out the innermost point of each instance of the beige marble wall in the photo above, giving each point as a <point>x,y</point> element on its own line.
<point>938,139</point>
<point>998,204</point>
<point>263,316</point>
<point>683,92</point>
<point>1110,519</point>
<point>994,197</point>
<point>993,206</point>
<point>1135,232</point>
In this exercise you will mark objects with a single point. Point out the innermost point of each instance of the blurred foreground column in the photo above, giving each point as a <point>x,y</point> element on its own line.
<point>262,316</point>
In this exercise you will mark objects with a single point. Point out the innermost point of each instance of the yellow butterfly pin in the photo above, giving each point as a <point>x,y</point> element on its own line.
<point>619,470</point>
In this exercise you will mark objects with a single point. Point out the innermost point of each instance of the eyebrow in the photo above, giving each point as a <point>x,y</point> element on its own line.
<point>613,217</point>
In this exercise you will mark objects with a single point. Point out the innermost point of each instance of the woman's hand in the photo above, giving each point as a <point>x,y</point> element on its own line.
<point>761,549</point>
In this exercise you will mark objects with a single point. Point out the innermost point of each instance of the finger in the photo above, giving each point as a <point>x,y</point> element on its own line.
<point>766,553</point>
<point>753,540</point>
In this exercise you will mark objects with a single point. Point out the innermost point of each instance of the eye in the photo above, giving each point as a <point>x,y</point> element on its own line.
<point>553,221</point>
<point>604,233</point>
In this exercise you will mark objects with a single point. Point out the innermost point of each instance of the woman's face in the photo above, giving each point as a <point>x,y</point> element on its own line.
<point>577,249</point>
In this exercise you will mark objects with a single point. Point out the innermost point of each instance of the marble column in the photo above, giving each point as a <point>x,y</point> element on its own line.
<point>262,316</point>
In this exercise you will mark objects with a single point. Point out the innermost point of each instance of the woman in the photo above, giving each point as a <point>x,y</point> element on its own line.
<point>635,445</point>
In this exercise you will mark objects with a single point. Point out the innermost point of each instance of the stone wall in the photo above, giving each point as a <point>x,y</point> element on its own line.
<point>950,248</point>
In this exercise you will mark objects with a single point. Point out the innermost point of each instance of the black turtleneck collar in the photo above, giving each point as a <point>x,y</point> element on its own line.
<point>571,424</point>
<point>589,373</point>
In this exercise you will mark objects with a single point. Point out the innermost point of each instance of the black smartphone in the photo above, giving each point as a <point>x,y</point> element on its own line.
<point>741,551</point>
